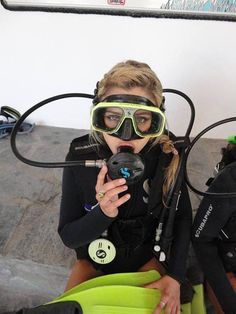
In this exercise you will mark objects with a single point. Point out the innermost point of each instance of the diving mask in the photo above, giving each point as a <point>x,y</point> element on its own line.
<point>128,117</point>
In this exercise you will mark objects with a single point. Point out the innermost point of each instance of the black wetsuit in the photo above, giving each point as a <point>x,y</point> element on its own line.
<point>132,231</point>
<point>216,249</point>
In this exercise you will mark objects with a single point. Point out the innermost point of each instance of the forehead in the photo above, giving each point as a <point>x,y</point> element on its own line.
<point>127,111</point>
<point>137,91</point>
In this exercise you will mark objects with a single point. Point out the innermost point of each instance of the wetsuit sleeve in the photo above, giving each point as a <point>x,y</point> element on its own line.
<point>181,237</point>
<point>76,226</point>
<point>211,217</point>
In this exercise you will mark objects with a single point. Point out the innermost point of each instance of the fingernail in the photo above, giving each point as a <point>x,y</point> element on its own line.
<point>122,181</point>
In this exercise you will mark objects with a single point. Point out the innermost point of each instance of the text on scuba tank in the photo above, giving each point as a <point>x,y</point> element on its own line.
<point>204,221</point>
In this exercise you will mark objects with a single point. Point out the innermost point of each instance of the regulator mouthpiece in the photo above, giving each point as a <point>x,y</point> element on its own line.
<point>125,164</point>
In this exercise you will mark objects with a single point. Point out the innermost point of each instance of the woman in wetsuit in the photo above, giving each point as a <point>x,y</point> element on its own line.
<point>214,235</point>
<point>110,224</point>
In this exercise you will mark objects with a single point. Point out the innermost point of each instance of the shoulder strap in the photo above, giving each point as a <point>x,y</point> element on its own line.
<point>155,199</point>
<point>83,146</point>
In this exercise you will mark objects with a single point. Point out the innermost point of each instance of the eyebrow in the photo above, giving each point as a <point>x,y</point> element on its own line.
<point>146,112</point>
<point>112,110</point>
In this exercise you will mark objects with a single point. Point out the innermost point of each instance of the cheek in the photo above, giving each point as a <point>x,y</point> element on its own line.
<point>111,142</point>
<point>139,144</point>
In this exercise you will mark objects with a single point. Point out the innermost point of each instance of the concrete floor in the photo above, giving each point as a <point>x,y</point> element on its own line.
<point>34,264</point>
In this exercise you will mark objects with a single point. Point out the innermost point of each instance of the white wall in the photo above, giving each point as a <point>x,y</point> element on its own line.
<point>45,54</point>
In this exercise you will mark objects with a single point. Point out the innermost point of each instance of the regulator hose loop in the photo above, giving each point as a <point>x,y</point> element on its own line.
<point>193,142</point>
<point>25,115</point>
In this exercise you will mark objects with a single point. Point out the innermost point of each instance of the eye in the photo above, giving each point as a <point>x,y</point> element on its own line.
<point>142,119</point>
<point>112,117</point>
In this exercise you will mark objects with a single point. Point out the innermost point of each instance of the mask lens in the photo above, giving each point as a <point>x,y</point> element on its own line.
<point>112,117</point>
<point>107,119</point>
<point>148,122</point>
<point>143,120</point>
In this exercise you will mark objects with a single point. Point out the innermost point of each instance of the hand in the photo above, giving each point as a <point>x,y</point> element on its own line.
<point>170,295</point>
<point>107,193</point>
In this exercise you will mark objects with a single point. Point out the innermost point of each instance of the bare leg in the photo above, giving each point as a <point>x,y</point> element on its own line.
<point>211,294</point>
<point>232,280</point>
<point>153,264</point>
<point>213,299</point>
<point>82,270</point>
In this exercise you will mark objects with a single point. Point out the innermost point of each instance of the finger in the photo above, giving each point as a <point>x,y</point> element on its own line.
<point>162,304</point>
<point>150,285</point>
<point>171,308</point>
<point>110,208</point>
<point>101,177</point>
<point>121,200</point>
<point>165,306</point>
<point>110,190</point>
<point>178,311</point>
<point>108,205</point>
<point>158,310</point>
<point>111,194</point>
<point>108,178</point>
<point>160,307</point>
<point>113,184</point>
<point>99,196</point>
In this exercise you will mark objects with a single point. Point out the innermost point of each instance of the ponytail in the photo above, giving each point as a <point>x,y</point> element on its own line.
<point>167,146</point>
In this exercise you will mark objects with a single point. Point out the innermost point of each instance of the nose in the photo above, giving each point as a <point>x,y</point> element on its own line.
<point>127,130</point>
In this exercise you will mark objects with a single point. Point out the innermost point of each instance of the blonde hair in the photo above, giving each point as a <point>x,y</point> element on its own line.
<point>130,74</point>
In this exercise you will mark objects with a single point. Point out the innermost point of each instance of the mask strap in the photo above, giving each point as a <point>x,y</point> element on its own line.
<point>96,98</point>
<point>162,106</point>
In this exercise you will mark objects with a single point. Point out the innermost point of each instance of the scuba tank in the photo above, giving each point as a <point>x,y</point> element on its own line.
<point>227,237</point>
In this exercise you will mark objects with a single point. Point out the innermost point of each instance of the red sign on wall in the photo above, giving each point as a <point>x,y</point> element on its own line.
<point>119,2</point>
